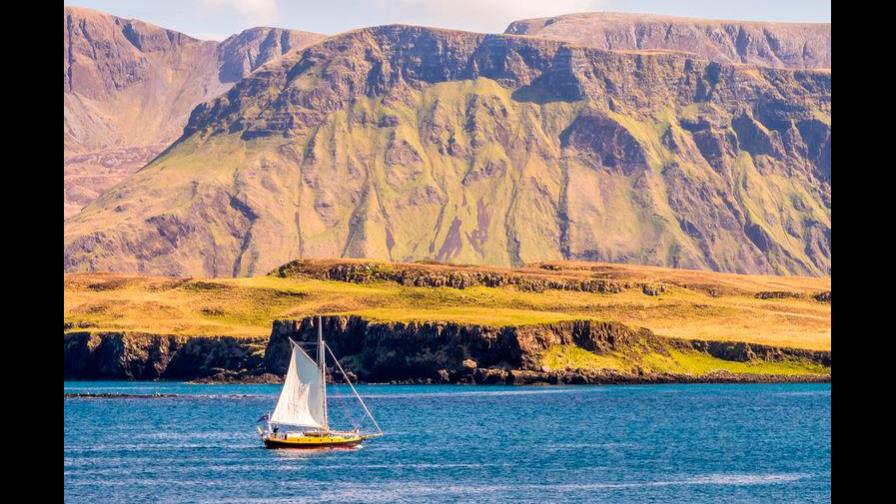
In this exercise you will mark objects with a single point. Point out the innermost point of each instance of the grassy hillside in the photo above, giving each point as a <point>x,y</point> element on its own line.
<point>130,87</point>
<point>678,361</point>
<point>405,143</point>
<point>687,304</point>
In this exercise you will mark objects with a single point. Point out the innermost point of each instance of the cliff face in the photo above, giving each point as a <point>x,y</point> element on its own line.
<point>136,356</point>
<point>457,277</point>
<point>429,352</point>
<point>405,143</point>
<point>129,87</point>
<point>780,45</point>
<point>440,352</point>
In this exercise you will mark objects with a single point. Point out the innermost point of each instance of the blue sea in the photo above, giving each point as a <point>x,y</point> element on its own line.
<point>662,443</point>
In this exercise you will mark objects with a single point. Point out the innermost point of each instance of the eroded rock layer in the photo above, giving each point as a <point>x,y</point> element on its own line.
<point>129,87</point>
<point>440,352</point>
<point>781,45</point>
<point>431,352</point>
<point>407,143</point>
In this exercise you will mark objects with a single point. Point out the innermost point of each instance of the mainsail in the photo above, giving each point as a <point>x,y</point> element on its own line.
<point>302,401</point>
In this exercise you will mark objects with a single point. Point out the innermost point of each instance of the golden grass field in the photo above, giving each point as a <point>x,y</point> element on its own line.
<point>696,304</point>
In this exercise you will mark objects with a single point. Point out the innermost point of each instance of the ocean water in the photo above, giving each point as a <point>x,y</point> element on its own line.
<point>663,443</point>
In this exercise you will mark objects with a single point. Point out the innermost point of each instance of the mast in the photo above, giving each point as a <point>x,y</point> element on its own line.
<point>357,395</point>
<point>322,363</point>
<point>300,402</point>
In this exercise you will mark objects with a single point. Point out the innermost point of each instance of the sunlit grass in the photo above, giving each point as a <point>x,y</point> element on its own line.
<point>248,306</point>
<point>698,363</point>
<point>561,357</point>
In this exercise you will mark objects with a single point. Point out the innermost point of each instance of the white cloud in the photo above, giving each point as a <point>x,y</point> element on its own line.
<point>253,12</point>
<point>216,36</point>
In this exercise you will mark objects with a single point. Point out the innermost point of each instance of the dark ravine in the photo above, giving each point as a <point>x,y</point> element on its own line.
<point>430,352</point>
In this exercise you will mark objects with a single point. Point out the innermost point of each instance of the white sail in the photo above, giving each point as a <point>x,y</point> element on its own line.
<point>302,401</point>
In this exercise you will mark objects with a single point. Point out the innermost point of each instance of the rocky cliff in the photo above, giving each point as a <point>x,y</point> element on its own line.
<point>432,352</point>
<point>457,277</point>
<point>406,143</point>
<point>781,45</point>
<point>129,87</point>
<point>439,352</point>
<point>446,351</point>
<point>139,356</point>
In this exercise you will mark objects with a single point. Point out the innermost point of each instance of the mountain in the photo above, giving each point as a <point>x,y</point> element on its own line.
<point>408,143</point>
<point>780,45</point>
<point>129,88</point>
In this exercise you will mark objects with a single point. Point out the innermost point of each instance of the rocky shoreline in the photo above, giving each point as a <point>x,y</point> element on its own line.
<point>566,377</point>
<point>514,379</point>
<point>417,353</point>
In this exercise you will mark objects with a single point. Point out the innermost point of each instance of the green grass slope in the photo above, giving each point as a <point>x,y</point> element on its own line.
<point>691,304</point>
<point>501,151</point>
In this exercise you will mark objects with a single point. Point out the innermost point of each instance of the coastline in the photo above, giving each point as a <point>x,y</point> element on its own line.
<point>565,379</point>
<point>444,353</point>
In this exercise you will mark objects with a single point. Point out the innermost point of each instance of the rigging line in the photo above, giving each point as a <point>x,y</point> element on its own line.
<point>349,413</point>
<point>344,406</point>
<point>322,363</point>
<point>358,396</point>
<point>301,349</point>
<point>347,380</point>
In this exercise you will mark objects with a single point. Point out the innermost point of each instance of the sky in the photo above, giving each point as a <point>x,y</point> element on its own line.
<point>217,19</point>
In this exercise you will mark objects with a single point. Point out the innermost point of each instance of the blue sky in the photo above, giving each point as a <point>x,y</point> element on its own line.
<point>216,19</point>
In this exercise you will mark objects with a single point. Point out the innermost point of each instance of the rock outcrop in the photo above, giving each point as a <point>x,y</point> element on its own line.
<point>129,87</point>
<point>407,143</point>
<point>439,352</point>
<point>430,352</point>
<point>138,356</point>
<point>457,277</point>
<point>781,45</point>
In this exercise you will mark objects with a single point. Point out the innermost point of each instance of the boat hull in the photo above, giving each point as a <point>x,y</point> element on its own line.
<point>313,442</point>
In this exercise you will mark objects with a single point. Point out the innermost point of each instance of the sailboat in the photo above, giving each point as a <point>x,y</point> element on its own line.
<point>300,418</point>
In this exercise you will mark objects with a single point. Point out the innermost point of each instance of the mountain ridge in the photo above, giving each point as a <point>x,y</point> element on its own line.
<point>129,87</point>
<point>764,43</point>
<point>407,143</point>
